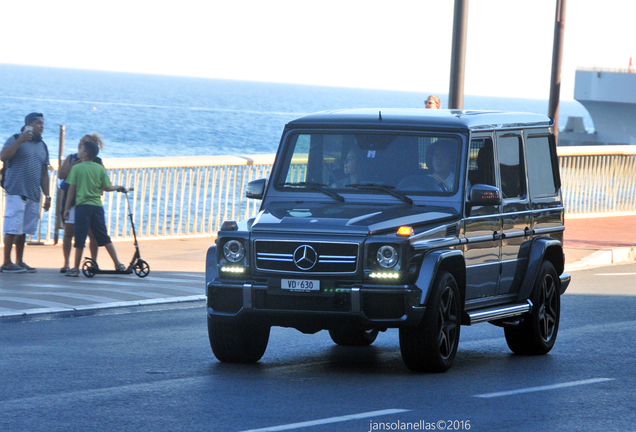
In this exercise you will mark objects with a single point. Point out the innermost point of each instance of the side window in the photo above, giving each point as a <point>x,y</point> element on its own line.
<point>511,166</point>
<point>481,164</point>
<point>540,167</point>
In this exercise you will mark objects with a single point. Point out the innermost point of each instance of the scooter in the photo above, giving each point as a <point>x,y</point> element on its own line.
<point>137,265</point>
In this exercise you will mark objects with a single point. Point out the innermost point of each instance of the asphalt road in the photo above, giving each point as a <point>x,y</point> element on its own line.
<point>154,371</point>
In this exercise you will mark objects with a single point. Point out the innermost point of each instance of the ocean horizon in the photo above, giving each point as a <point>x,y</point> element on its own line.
<point>142,115</point>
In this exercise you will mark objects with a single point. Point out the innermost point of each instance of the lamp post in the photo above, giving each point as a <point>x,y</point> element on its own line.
<point>557,54</point>
<point>458,55</point>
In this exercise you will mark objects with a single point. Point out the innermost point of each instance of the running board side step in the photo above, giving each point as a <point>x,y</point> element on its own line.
<point>498,312</point>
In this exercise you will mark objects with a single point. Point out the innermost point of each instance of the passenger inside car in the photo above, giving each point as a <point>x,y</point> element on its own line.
<point>353,168</point>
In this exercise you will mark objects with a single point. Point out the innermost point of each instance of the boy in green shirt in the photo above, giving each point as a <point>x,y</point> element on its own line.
<point>86,182</point>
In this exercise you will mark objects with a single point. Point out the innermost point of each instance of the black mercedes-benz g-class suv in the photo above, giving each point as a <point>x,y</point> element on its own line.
<point>424,220</point>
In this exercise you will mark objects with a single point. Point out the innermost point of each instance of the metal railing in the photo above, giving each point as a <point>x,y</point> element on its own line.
<point>188,197</point>
<point>598,179</point>
<point>172,196</point>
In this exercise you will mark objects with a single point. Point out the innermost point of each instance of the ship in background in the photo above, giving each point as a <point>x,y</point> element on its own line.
<point>609,96</point>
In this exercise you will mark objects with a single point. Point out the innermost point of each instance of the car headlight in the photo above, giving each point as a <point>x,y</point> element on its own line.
<point>234,251</point>
<point>387,256</point>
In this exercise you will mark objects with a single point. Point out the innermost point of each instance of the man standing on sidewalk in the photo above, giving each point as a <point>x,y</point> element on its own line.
<point>26,160</point>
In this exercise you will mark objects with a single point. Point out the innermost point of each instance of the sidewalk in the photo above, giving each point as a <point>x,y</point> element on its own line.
<point>177,277</point>
<point>599,241</point>
<point>177,268</point>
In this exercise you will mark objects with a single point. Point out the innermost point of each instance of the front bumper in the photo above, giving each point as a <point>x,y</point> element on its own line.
<point>368,305</point>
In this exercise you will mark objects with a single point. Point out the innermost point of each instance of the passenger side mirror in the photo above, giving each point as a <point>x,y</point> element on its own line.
<point>484,195</point>
<point>256,189</point>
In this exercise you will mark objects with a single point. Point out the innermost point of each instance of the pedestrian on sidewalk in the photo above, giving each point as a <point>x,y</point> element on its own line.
<point>433,102</point>
<point>62,174</point>
<point>86,182</point>
<point>26,162</point>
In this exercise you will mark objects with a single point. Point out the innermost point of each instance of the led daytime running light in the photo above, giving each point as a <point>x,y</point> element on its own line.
<point>384,275</point>
<point>233,269</point>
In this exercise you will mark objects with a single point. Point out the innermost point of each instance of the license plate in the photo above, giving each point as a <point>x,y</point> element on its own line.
<point>302,285</point>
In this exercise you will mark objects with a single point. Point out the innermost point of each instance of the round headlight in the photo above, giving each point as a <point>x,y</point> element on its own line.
<point>387,256</point>
<point>234,251</point>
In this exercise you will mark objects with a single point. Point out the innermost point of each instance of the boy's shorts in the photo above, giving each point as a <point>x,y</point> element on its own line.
<point>21,215</point>
<point>90,216</point>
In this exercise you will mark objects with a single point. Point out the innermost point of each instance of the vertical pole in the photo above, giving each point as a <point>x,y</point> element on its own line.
<point>557,54</point>
<point>59,223</point>
<point>458,55</point>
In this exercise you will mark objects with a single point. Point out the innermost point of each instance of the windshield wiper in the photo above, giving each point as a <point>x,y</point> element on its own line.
<point>387,189</point>
<point>319,187</point>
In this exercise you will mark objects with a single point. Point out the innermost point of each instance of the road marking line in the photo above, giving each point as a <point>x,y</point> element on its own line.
<point>328,420</point>
<point>615,274</point>
<point>543,388</point>
<point>190,275</point>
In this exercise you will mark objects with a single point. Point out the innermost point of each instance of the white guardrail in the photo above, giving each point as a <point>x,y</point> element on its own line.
<point>192,196</point>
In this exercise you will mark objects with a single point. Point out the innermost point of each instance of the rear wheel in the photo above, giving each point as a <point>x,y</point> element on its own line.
<point>353,336</point>
<point>536,333</point>
<point>432,345</point>
<point>89,268</point>
<point>237,342</point>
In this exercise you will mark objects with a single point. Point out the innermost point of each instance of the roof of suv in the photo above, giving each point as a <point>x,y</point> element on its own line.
<point>416,117</point>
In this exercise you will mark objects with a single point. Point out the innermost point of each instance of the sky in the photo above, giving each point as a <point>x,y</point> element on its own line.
<point>396,45</point>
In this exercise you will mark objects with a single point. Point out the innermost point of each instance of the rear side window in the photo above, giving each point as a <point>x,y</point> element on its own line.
<point>540,167</point>
<point>510,153</point>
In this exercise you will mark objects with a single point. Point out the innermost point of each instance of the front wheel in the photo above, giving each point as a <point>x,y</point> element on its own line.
<point>238,342</point>
<point>142,269</point>
<point>536,333</point>
<point>432,345</point>
<point>353,336</point>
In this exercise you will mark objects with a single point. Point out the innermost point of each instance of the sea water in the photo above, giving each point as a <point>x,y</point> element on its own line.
<point>153,115</point>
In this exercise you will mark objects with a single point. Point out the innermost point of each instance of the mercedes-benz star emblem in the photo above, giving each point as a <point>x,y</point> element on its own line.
<point>305,257</point>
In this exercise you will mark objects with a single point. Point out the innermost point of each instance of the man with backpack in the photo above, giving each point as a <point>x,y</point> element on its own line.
<point>26,161</point>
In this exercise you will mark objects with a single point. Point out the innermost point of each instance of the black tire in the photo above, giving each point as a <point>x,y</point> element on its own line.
<point>353,336</point>
<point>237,342</point>
<point>142,269</point>
<point>89,268</point>
<point>432,345</point>
<point>536,333</point>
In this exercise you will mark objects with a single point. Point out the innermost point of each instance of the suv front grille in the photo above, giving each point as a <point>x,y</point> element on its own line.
<point>306,257</point>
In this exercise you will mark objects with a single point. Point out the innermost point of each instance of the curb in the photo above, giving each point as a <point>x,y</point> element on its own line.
<point>604,257</point>
<point>98,309</point>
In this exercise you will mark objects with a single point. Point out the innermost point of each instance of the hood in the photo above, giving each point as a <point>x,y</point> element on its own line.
<point>361,219</point>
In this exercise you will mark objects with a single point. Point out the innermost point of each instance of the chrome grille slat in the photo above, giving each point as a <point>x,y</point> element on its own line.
<point>332,257</point>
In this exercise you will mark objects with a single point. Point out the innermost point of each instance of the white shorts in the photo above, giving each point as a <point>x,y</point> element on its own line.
<point>21,216</point>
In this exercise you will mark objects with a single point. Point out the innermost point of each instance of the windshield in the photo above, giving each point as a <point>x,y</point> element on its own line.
<point>414,164</point>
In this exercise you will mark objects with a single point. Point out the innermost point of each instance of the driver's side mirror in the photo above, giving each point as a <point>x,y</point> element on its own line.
<point>484,195</point>
<point>256,189</point>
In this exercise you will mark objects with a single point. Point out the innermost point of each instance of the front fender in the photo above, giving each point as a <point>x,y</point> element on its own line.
<point>449,260</point>
<point>542,248</point>
<point>211,269</point>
